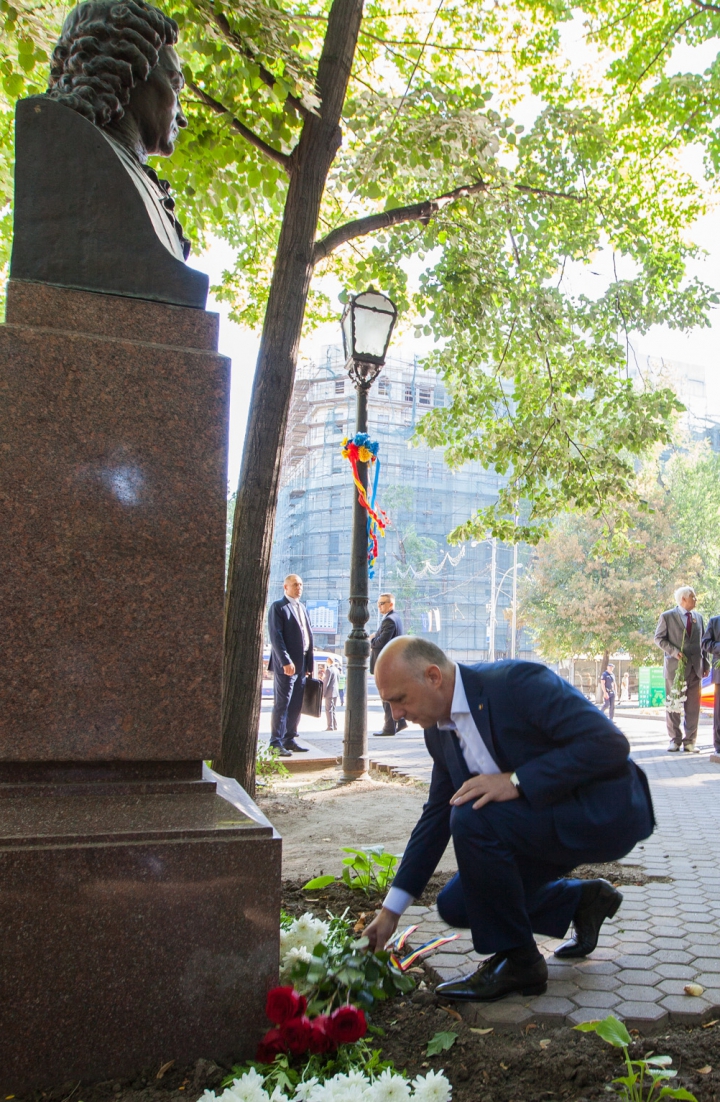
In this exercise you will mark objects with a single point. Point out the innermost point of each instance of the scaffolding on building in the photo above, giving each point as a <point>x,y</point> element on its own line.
<point>442,591</point>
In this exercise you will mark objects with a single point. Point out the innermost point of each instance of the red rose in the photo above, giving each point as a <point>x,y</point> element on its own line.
<point>271,1046</point>
<point>296,1035</point>
<point>346,1025</point>
<point>320,1039</point>
<point>284,1003</point>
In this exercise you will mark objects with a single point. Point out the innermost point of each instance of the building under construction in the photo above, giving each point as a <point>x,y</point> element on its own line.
<point>459,596</point>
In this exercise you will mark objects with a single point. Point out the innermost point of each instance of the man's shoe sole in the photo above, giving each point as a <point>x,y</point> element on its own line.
<point>533,989</point>
<point>383,734</point>
<point>610,913</point>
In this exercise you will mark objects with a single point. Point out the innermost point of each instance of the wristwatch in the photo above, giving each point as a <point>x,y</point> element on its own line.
<point>515,780</point>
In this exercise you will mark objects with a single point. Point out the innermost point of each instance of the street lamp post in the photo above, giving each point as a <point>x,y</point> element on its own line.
<point>367,324</point>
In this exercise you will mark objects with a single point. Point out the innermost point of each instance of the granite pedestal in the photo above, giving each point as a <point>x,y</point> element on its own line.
<point>140,892</point>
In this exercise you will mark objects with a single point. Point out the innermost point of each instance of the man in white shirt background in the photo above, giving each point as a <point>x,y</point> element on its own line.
<point>529,780</point>
<point>291,660</point>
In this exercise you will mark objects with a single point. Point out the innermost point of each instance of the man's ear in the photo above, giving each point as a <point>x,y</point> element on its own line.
<point>434,676</point>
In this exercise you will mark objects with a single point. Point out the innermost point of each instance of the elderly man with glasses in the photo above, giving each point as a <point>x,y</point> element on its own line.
<point>390,627</point>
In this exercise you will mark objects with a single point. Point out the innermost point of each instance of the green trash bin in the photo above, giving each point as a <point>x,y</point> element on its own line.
<point>651,687</point>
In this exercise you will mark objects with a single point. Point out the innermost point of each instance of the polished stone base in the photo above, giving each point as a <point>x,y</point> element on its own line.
<point>113,468</point>
<point>139,920</point>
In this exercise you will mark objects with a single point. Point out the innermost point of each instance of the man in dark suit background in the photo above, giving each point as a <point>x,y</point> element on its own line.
<point>391,626</point>
<point>291,660</point>
<point>711,651</point>
<point>530,780</point>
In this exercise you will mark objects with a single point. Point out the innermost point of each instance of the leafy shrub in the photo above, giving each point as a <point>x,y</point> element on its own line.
<point>268,763</point>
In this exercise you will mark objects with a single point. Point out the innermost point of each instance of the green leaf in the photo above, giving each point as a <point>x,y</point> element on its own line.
<point>441,1042</point>
<point>610,1029</point>
<point>318,882</point>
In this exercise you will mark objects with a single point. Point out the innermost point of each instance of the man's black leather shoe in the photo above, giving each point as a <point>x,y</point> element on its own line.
<point>495,978</point>
<point>599,900</point>
<point>281,751</point>
<point>296,748</point>
<point>383,734</point>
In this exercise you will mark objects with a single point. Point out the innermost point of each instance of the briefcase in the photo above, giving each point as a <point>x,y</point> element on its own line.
<point>312,697</point>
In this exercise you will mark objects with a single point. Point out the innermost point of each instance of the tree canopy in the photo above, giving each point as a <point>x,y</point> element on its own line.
<point>434,177</point>
<point>578,603</point>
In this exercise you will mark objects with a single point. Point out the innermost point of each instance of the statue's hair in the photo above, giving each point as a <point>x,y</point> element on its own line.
<point>104,49</point>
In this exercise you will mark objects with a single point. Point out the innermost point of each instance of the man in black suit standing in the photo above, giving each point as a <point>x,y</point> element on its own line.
<point>529,780</point>
<point>291,660</point>
<point>390,627</point>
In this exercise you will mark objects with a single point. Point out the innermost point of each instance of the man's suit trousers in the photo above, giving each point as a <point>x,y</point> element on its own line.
<point>509,884</point>
<point>692,711</point>
<point>287,707</point>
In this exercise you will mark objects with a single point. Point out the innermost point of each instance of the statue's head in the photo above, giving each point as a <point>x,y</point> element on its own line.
<point>115,64</point>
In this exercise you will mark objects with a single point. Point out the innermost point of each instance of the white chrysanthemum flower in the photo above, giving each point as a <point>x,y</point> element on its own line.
<point>433,1087</point>
<point>208,1096</point>
<point>248,1088</point>
<point>292,957</point>
<point>352,1087</point>
<point>389,1088</point>
<point>278,1096</point>
<point>304,1090</point>
<point>310,931</point>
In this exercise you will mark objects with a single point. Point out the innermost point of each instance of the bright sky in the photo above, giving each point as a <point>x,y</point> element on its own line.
<point>699,347</point>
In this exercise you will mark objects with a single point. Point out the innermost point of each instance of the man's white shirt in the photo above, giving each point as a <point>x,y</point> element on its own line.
<point>300,615</point>
<point>477,758</point>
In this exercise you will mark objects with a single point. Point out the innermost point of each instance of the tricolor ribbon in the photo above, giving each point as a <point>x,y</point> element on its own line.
<point>397,944</point>
<point>361,449</point>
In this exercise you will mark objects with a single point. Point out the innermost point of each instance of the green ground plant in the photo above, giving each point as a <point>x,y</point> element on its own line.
<point>646,1080</point>
<point>368,869</point>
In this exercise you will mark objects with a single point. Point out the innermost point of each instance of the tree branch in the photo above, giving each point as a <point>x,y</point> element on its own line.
<point>240,128</point>
<point>266,76</point>
<point>706,7</point>
<point>416,212</point>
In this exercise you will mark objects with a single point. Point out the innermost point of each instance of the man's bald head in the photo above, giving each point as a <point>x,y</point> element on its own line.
<point>416,679</point>
<point>293,585</point>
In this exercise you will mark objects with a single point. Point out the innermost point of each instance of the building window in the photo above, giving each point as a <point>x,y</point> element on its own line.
<point>384,386</point>
<point>339,386</point>
<point>408,392</point>
<point>334,545</point>
<point>424,396</point>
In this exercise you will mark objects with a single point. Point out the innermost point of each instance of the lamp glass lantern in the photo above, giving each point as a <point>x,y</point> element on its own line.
<point>367,325</point>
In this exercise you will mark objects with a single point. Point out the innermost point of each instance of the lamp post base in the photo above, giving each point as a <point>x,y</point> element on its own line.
<point>357,650</point>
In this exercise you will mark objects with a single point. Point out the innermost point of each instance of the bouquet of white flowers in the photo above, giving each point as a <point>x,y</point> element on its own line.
<point>353,1086</point>
<point>678,689</point>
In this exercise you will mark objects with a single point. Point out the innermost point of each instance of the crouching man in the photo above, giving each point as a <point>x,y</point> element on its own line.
<point>529,779</point>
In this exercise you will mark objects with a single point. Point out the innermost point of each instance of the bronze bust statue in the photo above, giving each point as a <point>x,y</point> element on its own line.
<point>112,101</point>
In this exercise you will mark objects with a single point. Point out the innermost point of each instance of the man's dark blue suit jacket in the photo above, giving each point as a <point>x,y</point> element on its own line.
<point>286,641</point>
<point>567,755</point>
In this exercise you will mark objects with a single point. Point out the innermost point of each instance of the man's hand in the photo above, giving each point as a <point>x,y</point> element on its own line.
<point>289,669</point>
<point>486,788</point>
<point>381,929</point>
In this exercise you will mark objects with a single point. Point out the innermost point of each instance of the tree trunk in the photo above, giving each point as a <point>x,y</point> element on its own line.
<point>252,539</point>
<point>605,660</point>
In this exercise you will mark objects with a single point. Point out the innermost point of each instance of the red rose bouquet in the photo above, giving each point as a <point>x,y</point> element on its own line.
<point>297,1034</point>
